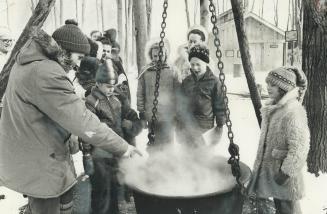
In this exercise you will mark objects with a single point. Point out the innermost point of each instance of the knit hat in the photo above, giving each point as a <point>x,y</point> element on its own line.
<point>106,73</point>
<point>88,68</point>
<point>71,38</point>
<point>111,34</point>
<point>199,51</point>
<point>283,77</point>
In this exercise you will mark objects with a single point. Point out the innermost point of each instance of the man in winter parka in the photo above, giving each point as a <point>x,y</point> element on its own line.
<point>284,142</point>
<point>165,126</point>
<point>41,111</point>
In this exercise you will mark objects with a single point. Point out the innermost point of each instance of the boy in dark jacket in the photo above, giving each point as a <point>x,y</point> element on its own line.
<point>112,107</point>
<point>201,104</point>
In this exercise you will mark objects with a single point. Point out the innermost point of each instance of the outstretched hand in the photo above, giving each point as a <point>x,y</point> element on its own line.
<point>131,152</point>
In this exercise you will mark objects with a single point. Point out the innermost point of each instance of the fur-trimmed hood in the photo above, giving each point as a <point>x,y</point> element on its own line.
<point>41,46</point>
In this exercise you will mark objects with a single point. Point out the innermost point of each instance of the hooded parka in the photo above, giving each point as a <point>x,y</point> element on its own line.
<point>40,112</point>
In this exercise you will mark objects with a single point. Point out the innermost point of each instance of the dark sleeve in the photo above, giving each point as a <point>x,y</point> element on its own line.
<point>218,105</point>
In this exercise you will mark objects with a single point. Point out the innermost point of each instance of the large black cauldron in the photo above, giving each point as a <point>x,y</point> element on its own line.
<point>227,201</point>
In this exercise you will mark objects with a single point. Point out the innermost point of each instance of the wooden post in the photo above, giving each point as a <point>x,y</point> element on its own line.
<point>36,21</point>
<point>246,58</point>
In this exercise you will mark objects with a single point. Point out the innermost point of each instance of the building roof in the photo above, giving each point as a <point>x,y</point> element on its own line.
<point>250,14</point>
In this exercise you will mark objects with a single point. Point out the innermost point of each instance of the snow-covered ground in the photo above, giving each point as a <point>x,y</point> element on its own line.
<point>246,132</point>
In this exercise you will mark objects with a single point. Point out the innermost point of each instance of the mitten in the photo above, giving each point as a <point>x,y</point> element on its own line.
<point>281,177</point>
<point>131,115</point>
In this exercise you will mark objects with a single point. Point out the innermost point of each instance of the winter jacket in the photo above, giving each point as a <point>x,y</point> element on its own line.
<point>40,112</point>
<point>283,145</point>
<point>112,111</point>
<point>202,99</point>
<point>168,87</point>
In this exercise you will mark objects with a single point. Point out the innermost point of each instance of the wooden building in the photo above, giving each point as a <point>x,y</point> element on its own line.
<point>266,43</point>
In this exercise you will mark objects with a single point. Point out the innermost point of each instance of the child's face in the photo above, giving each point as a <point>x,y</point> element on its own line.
<point>194,39</point>
<point>198,66</point>
<point>155,55</point>
<point>273,91</point>
<point>106,51</point>
<point>106,88</point>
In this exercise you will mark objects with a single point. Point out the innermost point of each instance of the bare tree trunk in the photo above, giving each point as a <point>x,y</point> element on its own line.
<point>61,12</point>
<point>252,7</point>
<point>55,16</point>
<point>76,6</point>
<point>262,6</point>
<point>195,11</point>
<point>276,12</point>
<point>128,10</point>
<point>36,21</point>
<point>102,15</point>
<point>134,56</point>
<point>32,5</point>
<point>187,14</point>
<point>7,13</point>
<point>246,57</point>
<point>314,64</point>
<point>98,13</point>
<point>204,11</point>
<point>148,14</point>
<point>141,34</point>
<point>83,13</point>
<point>120,14</point>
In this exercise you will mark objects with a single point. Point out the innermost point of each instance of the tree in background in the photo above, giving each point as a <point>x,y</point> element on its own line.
<point>187,14</point>
<point>315,67</point>
<point>36,21</point>
<point>141,31</point>
<point>204,13</point>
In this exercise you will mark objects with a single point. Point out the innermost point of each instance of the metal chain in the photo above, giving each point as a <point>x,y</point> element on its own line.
<point>159,65</point>
<point>233,148</point>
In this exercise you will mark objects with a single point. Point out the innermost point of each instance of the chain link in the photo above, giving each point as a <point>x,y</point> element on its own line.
<point>233,148</point>
<point>160,64</point>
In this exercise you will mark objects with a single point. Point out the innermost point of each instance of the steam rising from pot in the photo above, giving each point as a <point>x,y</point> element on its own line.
<point>179,171</point>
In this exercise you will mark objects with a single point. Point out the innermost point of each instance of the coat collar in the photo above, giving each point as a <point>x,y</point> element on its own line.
<point>99,95</point>
<point>208,75</point>
<point>41,46</point>
<point>288,100</point>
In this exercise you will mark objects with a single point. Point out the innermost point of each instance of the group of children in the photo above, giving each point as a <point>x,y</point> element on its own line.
<point>190,103</point>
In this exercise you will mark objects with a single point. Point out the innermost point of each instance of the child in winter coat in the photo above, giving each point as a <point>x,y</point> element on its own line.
<point>201,104</point>
<point>284,142</point>
<point>165,126</point>
<point>112,108</point>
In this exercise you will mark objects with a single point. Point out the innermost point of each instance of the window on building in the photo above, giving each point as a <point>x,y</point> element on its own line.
<point>229,53</point>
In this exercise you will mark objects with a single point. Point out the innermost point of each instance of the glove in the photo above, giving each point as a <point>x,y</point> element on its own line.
<point>88,164</point>
<point>127,124</point>
<point>131,151</point>
<point>281,178</point>
<point>132,115</point>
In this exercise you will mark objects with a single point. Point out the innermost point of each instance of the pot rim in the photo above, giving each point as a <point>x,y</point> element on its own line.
<point>245,177</point>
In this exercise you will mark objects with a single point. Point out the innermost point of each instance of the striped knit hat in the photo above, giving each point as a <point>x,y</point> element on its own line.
<point>283,78</point>
<point>72,39</point>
